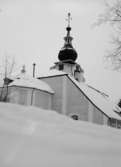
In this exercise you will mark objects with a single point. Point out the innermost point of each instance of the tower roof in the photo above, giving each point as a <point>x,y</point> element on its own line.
<point>68,53</point>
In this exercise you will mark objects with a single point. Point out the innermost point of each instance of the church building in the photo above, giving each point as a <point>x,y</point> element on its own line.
<point>73,97</point>
<point>64,90</point>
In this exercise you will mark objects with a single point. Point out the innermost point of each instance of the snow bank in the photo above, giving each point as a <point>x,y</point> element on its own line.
<point>32,137</point>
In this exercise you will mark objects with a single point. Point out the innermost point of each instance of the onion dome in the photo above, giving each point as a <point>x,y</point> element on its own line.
<point>68,53</point>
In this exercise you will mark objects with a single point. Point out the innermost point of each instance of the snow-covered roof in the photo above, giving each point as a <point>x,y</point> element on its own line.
<point>98,99</point>
<point>51,73</point>
<point>32,83</point>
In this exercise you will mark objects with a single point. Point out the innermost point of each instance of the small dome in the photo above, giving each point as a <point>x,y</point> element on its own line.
<point>67,54</point>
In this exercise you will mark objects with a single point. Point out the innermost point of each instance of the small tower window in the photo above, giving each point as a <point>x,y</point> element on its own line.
<point>77,68</point>
<point>75,117</point>
<point>119,103</point>
<point>77,79</point>
<point>61,66</point>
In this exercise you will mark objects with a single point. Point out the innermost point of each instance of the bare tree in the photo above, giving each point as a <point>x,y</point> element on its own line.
<point>112,16</point>
<point>7,69</point>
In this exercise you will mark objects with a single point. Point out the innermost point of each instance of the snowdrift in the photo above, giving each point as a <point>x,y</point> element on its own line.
<point>33,137</point>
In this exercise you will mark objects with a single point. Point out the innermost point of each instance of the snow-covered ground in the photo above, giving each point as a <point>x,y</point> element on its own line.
<point>32,137</point>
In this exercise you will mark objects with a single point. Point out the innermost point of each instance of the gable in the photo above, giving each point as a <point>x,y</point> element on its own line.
<point>104,105</point>
<point>101,104</point>
<point>77,103</point>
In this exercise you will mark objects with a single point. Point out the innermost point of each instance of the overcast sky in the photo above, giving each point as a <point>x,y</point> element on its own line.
<point>33,31</point>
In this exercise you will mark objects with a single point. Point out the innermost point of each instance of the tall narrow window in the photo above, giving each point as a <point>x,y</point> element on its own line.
<point>119,103</point>
<point>61,66</point>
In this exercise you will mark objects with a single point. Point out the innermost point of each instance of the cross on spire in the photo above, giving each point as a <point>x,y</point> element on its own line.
<point>69,19</point>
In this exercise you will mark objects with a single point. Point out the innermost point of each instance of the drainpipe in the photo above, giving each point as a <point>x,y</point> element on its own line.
<point>32,94</point>
<point>34,70</point>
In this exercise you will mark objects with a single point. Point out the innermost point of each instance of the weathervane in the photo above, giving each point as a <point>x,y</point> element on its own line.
<point>69,19</point>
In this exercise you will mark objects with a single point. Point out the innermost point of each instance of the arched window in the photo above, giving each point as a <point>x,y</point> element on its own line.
<point>75,117</point>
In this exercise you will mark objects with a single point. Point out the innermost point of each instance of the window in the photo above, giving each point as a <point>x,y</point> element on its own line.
<point>61,67</point>
<point>75,117</point>
<point>118,124</point>
<point>112,122</point>
<point>77,68</point>
<point>77,79</point>
<point>119,103</point>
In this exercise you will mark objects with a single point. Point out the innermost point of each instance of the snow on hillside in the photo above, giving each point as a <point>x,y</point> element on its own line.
<point>32,137</point>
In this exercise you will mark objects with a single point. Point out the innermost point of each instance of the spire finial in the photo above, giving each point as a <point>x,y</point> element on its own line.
<point>69,19</point>
<point>68,53</point>
<point>68,38</point>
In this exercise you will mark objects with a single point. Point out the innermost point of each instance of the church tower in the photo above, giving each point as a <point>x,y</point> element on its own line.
<point>67,57</point>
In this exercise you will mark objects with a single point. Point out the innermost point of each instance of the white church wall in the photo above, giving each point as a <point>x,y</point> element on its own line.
<point>42,99</point>
<point>105,120</point>
<point>90,113</point>
<point>13,95</point>
<point>64,95</point>
<point>67,98</point>
<point>23,96</point>
<point>76,102</point>
<point>56,84</point>
<point>19,95</point>
<point>29,96</point>
<point>98,116</point>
